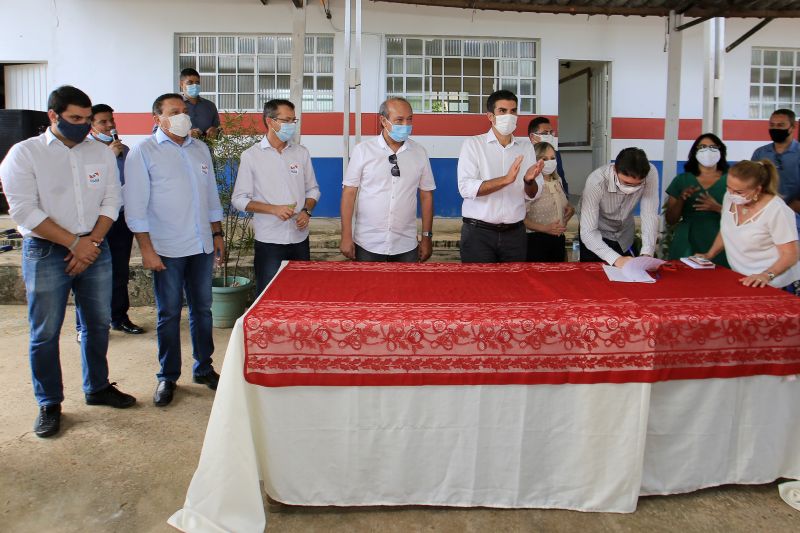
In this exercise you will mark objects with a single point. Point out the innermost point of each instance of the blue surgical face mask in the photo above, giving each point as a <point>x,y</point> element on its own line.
<point>287,131</point>
<point>193,90</point>
<point>103,137</point>
<point>74,132</point>
<point>400,132</point>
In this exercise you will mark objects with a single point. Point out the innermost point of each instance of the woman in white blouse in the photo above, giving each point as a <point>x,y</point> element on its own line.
<point>757,229</point>
<point>547,215</point>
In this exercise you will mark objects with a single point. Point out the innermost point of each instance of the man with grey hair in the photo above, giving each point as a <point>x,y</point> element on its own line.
<point>380,187</point>
<point>276,182</point>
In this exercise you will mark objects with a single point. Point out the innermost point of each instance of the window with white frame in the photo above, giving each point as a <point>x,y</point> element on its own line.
<point>242,72</point>
<point>774,81</point>
<point>456,75</point>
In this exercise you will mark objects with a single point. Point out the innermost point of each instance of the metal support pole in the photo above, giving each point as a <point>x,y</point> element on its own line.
<point>346,93</point>
<point>714,45</point>
<point>357,72</point>
<point>298,54</point>
<point>672,122</point>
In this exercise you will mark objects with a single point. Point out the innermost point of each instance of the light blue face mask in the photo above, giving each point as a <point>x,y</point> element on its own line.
<point>193,91</point>
<point>287,131</point>
<point>103,137</point>
<point>400,132</point>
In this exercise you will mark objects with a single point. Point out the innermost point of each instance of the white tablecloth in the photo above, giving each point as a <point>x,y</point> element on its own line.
<point>586,447</point>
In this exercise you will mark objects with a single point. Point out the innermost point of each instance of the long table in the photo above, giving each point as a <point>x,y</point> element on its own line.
<point>521,385</point>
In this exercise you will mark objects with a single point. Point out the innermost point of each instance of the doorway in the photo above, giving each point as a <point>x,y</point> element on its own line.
<point>584,121</point>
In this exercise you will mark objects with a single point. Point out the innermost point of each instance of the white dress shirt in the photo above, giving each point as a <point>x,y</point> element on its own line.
<point>607,212</point>
<point>752,247</point>
<point>43,178</point>
<point>386,209</point>
<point>171,193</point>
<point>483,158</point>
<point>275,178</point>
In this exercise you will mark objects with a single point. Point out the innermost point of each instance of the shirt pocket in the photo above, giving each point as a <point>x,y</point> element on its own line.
<point>95,176</point>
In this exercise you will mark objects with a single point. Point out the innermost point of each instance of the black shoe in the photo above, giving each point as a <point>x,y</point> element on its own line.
<point>111,396</point>
<point>48,422</point>
<point>210,380</point>
<point>128,327</point>
<point>164,392</point>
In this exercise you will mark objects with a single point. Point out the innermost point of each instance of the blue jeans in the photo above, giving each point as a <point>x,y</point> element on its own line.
<point>47,286</point>
<point>192,275</point>
<point>268,256</point>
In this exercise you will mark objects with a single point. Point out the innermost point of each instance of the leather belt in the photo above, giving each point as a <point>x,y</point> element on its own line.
<point>494,227</point>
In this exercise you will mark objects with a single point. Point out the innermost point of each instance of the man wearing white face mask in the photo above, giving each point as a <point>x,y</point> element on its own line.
<point>173,208</point>
<point>387,173</point>
<point>276,182</point>
<point>609,197</point>
<point>496,172</point>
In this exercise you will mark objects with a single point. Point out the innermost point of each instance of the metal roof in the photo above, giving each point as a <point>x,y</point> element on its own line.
<point>658,8</point>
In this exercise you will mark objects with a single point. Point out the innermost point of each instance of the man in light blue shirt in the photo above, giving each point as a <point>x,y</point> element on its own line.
<point>784,151</point>
<point>173,208</point>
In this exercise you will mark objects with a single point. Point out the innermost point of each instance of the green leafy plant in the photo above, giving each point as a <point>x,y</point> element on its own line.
<point>239,132</point>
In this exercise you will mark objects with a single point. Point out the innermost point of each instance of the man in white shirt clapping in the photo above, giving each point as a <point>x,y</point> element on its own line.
<point>385,175</point>
<point>276,182</point>
<point>495,174</point>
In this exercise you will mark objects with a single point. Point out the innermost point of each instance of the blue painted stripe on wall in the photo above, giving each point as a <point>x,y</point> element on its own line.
<point>447,200</point>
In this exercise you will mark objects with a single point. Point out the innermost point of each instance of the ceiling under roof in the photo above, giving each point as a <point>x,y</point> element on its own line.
<point>658,8</point>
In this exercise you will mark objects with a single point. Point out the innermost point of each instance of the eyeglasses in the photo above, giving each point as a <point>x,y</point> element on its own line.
<point>395,168</point>
<point>778,161</point>
<point>287,120</point>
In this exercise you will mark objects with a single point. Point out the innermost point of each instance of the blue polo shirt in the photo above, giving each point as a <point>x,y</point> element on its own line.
<point>204,114</point>
<point>788,164</point>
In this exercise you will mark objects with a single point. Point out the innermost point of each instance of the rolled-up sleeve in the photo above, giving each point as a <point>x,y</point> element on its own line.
<point>469,177</point>
<point>311,185</point>
<point>136,191</point>
<point>243,188</point>
<point>112,199</point>
<point>649,213</point>
<point>19,186</point>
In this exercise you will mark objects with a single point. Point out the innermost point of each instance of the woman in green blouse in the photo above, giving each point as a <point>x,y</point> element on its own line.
<point>695,199</point>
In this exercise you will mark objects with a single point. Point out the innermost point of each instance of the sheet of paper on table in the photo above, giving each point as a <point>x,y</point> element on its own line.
<point>635,270</point>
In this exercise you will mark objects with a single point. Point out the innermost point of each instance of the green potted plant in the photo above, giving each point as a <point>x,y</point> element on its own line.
<point>231,287</point>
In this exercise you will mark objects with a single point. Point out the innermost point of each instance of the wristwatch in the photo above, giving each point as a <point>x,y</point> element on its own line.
<point>306,210</point>
<point>219,233</point>
<point>770,274</point>
<point>427,234</point>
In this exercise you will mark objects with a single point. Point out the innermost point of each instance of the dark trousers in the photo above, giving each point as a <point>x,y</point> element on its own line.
<point>588,256</point>
<point>120,240</point>
<point>268,256</point>
<point>546,248</point>
<point>483,245</point>
<point>411,256</point>
<point>191,276</point>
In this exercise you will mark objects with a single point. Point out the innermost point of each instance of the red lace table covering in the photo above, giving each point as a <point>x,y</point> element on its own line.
<point>350,323</point>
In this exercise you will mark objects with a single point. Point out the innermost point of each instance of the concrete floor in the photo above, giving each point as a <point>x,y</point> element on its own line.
<point>128,471</point>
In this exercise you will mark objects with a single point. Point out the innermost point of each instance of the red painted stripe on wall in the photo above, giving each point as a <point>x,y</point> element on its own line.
<point>472,124</point>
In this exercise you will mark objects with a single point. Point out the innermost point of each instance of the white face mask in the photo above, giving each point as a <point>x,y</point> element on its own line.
<point>738,199</point>
<point>549,139</point>
<point>505,124</point>
<point>627,189</point>
<point>707,157</point>
<point>180,125</point>
<point>550,166</point>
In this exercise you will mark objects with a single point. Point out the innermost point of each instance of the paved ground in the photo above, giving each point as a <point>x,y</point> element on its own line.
<point>127,471</point>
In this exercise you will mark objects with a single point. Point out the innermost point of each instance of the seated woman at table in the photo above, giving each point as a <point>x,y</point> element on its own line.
<point>547,215</point>
<point>695,199</point>
<point>757,229</point>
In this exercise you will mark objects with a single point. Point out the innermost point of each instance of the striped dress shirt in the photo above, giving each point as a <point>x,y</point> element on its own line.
<point>607,212</point>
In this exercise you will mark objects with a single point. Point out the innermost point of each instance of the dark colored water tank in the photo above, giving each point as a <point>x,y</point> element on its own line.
<point>17,125</point>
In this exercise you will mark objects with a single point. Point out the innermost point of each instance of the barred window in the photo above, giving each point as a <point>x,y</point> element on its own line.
<point>242,72</point>
<point>450,75</point>
<point>774,81</point>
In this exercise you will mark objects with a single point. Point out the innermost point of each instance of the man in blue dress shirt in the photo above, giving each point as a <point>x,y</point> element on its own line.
<point>173,208</point>
<point>784,151</point>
